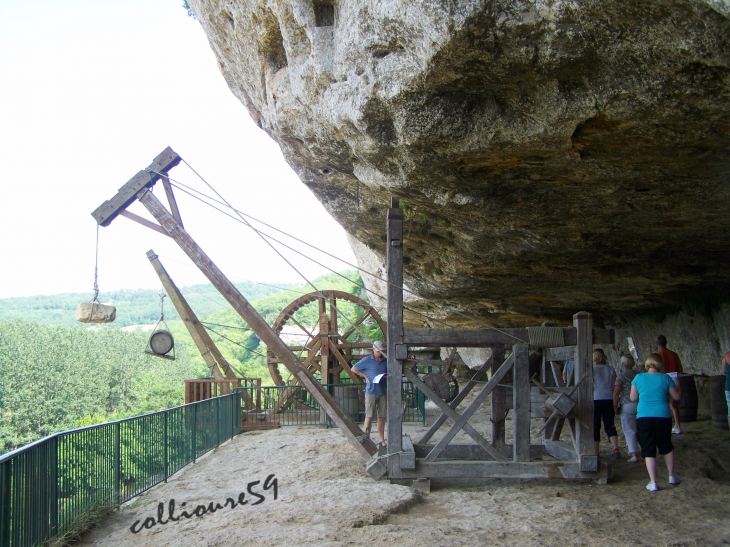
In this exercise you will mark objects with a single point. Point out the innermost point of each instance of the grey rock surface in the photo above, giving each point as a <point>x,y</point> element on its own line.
<point>551,156</point>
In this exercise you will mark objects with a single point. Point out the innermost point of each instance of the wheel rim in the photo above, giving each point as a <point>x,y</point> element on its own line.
<point>327,340</point>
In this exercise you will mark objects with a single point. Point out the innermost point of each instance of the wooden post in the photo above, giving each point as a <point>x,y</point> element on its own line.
<point>498,401</point>
<point>203,342</point>
<point>583,368</point>
<point>257,323</point>
<point>521,403</point>
<point>395,335</point>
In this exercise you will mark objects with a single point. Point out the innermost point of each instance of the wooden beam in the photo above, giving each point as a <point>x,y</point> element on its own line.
<point>498,404</point>
<point>455,403</point>
<point>560,450</point>
<point>475,452</point>
<point>447,410</point>
<point>560,354</point>
<point>199,328</point>
<point>583,369</point>
<point>484,338</point>
<point>190,320</point>
<point>144,222</point>
<point>474,338</point>
<point>500,470</point>
<point>395,335</point>
<point>473,406</point>
<point>229,291</point>
<point>171,199</point>
<point>408,455</point>
<point>521,403</point>
<point>108,211</point>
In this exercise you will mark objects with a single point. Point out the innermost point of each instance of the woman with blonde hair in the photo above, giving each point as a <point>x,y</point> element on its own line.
<point>604,378</point>
<point>622,397</point>
<point>654,418</point>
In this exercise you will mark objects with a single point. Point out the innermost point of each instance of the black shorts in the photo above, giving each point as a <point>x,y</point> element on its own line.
<point>654,433</point>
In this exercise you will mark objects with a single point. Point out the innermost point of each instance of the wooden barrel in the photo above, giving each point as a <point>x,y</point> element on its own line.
<point>719,403</point>
<point>161,342</point>
<point>688,400</point>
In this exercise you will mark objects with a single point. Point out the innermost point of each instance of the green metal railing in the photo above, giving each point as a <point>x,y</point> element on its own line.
<point>294,405</point>
<point>49,486</point>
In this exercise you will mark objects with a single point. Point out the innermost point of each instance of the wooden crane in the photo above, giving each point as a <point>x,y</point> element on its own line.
<point>138,188</point>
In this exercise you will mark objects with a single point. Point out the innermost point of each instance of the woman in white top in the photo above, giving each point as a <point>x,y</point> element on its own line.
<point>604,378</point>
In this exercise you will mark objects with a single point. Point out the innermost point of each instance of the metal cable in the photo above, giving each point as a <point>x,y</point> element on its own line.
<point>264,236</point>
<point>363,287</point>
<point>275,250</point>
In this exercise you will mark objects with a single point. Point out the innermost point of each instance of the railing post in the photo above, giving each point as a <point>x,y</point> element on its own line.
<point>217,421</point>
<point>195,431</point>
<point>118,463</point>
<point>167,452</point>
<point>53,464</point>
<point>5,501</point>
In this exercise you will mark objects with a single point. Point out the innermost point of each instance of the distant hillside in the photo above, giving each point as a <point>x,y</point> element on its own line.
<point>134,307</point>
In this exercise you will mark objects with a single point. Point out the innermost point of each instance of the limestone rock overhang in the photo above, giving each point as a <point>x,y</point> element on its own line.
<point>550,156</point>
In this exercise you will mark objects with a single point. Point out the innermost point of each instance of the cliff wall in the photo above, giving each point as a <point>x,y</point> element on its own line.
<point>551,156</point>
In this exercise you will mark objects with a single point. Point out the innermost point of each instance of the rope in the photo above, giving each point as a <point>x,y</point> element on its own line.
<point>95,300</point>
<point>264,236</point>
<point>277,251</point>
<point>234,342</point>
<point>432,319</point>
<point>546,337</point>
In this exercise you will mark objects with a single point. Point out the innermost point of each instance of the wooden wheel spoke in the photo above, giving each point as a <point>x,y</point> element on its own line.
<point>327,349</point>
<point>359,321</point>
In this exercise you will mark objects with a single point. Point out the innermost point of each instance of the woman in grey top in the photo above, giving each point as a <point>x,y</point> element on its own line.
<point>622,394</point>
<point>604,378</point>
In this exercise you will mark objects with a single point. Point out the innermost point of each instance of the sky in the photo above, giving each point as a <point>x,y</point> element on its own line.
<point>91,91</point>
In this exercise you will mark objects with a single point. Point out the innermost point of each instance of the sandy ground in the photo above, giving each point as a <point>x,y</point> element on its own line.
<point>325,498</point>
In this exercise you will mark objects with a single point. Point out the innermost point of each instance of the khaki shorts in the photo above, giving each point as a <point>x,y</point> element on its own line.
<point>375,405</point>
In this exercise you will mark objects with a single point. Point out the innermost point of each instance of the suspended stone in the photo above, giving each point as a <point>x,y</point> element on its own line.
<point>95,312</point>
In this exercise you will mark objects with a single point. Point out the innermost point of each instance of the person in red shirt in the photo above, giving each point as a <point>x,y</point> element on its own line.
<point>672,367</point>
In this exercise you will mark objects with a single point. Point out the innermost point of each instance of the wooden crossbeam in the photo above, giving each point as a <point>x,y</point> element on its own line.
<point>472,470</point>
<point>108,211</point>
<point>171,199</point>
<point>473,406</point>
<point>144,222</point>
<point>484,338</point>
<point>475,452</point>
<point>455,403</point>
<point>448,411</point>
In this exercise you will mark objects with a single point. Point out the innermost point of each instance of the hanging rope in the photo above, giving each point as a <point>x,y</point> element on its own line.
<point>95,300</point>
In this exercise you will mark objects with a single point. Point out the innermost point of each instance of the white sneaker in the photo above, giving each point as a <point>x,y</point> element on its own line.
<point>674,480</point>
<point>676,430</point>
<point>633,459</point>
<point>652,487</point>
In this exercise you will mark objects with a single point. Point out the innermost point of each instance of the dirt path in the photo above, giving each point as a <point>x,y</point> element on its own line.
<point>325,498</point>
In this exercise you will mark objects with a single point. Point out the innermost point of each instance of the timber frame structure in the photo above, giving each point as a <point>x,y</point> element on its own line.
<point>421,462</point>
<point>409,462</point>
<point>138,188</point>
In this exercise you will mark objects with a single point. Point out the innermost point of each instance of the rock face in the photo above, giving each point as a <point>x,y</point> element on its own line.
<point>551,156</point>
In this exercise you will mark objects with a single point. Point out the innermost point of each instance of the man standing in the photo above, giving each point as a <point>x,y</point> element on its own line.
<point>373,369</point>
<point>672,367</point>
